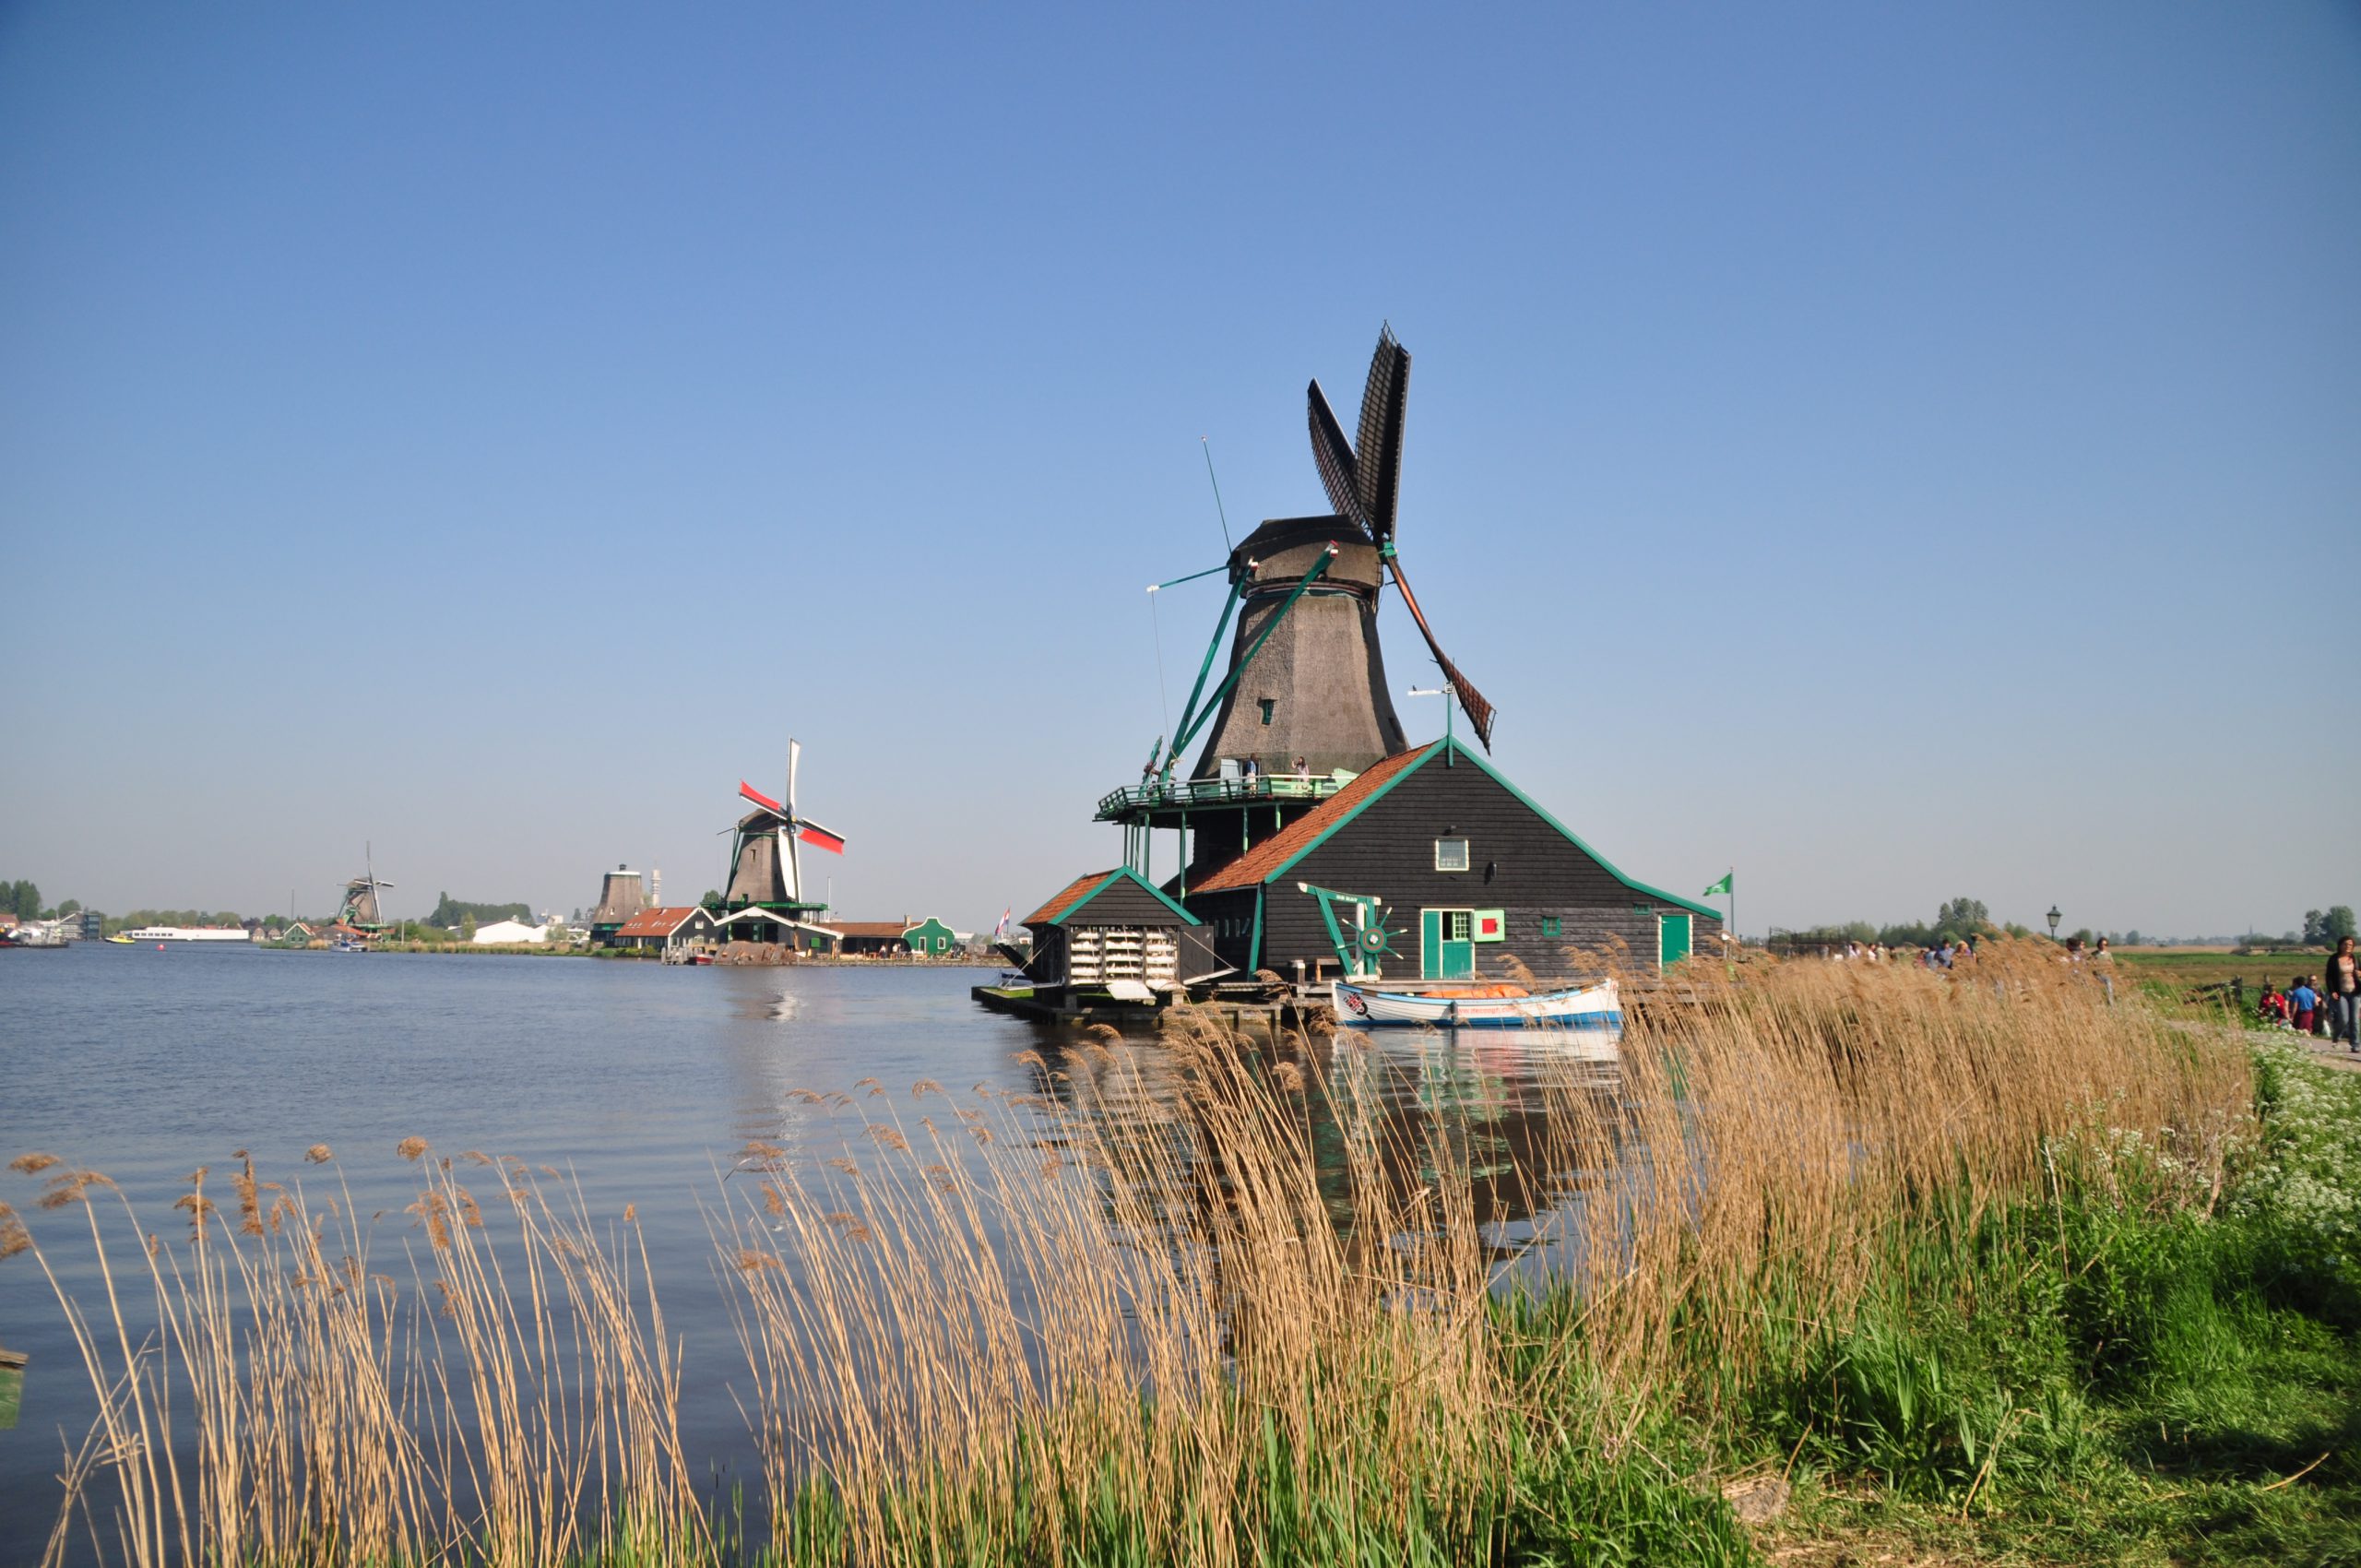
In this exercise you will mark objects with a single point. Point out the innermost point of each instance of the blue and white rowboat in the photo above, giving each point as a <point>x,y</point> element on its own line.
<point>1587,1007</point>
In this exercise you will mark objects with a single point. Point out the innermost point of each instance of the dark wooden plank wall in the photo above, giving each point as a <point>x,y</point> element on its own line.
<point>1229,920</point>
<point>1126,903</point>
<point>1517,862</point>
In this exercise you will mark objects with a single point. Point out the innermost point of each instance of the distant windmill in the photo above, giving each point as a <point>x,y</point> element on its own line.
<point>764,866</point>
<point>361,910</point>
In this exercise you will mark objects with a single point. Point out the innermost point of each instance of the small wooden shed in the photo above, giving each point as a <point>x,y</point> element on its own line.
<point>1112,927</point>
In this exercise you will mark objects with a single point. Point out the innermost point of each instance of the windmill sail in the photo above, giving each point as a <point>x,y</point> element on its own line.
<point>1378,451</point>
<point>1339,472</point>
<point>1471,701</point>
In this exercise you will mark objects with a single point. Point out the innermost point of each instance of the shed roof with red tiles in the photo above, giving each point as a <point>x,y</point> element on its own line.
<point>1066,898</point>
<point>1265,859</point>
<point>661,921</point>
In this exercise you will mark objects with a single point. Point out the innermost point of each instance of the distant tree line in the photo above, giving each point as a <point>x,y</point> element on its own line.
<point>21,899</point>
<point>172,917</point>
<point>449,912</point>
<point>1971,918</point>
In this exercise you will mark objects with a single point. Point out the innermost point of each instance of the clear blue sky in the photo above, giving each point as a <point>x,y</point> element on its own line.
<point>1902,451</point>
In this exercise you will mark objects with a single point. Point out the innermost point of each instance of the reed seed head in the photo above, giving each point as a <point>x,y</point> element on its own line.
<point>410,1149</point>
<point>32,1164</point>
<point>319,1154</point>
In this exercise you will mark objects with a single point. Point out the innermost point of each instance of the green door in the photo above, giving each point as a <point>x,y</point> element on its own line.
<point>1446,944</point>
<point>1672,939</point>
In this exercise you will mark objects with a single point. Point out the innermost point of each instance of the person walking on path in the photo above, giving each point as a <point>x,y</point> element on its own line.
<point>2304,1002</point>
<point>2344,996</point>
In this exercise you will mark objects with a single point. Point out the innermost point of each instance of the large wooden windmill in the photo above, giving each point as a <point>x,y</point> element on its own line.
<point>1304,797</point>
<point>766,870</point>
<point>1304,703</point>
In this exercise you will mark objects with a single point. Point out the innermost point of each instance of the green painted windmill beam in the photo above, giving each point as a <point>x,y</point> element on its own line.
<point>1355,960</point>
<point>1195,718</point>
<point>1189,710</point>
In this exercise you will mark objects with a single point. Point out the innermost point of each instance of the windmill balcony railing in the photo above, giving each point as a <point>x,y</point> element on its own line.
<point>1162,794</point>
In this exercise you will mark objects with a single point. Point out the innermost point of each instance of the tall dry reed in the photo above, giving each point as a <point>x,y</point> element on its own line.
<point>267,1396</point>
<point>1178,1292</point>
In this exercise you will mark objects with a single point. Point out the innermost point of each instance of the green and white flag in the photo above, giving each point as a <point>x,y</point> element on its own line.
<point>1721,886</point>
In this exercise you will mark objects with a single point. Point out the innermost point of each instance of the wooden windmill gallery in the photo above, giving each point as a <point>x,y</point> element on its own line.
<point>1308,839</point>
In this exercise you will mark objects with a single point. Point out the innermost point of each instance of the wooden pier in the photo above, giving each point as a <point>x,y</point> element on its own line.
<point>1302,1007</point>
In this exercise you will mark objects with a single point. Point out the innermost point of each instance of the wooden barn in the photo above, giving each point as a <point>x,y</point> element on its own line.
<point>1470,871</point>
<point>1114,927</point>
<point>680,925</point>
<point>928,938</point>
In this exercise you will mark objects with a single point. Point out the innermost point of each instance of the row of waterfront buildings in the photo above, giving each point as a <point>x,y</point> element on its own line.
<point>776,928</point>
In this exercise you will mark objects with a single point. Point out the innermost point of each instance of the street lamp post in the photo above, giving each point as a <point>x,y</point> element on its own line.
<point>2054,918</point>
<point>1448,748</point>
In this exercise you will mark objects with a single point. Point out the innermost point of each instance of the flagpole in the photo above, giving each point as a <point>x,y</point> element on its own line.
<point>1729,886</point>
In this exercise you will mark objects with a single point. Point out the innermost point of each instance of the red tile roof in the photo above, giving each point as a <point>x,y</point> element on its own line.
<point>868,928</point>
<point>1065,899</point>
<point>661,921</point>
<point>1259,863</point>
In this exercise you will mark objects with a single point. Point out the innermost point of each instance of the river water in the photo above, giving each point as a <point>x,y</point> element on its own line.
<point>641,1082</point>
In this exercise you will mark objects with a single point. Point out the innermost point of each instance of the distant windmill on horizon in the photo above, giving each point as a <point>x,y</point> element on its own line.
<point>766,869</point>
<point>362,910</point>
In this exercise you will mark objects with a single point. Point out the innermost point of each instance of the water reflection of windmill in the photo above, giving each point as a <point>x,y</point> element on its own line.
<point>363,910</point>
<point>765,899</point>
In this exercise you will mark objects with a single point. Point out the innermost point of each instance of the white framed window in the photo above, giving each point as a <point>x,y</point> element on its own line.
<point>1451,854</point>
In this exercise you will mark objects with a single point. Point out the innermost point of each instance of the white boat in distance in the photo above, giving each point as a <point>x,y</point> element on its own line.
<point>188,934</point>
<point>1487,1007</point>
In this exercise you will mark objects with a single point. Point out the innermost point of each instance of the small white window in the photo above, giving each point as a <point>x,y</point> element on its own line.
<point>1451,854</point>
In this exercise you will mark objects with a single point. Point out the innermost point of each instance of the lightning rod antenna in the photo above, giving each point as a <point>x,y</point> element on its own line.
<point>1220,510</point>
